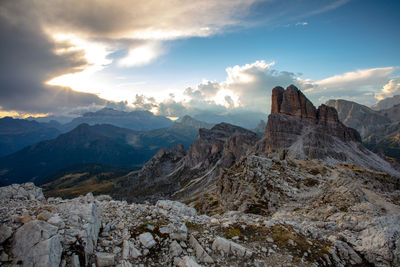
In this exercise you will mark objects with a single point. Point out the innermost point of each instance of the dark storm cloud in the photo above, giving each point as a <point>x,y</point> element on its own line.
<point>27,61</point>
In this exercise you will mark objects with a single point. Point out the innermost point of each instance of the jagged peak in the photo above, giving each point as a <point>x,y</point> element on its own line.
<point>292,102</point>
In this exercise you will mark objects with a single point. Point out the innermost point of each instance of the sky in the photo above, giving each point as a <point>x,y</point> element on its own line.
<point>178,57</point>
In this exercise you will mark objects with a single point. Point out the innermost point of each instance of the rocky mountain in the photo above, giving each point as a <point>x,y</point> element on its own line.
<point>260,129</point>
<point>16,134</point>
<point>101,144</point>
<point>245,119</point>
<point>392,113</point>
<point>359,117</point>
<point>387,103</point>
<point>138,120</point>
<point>385,140</point>
<point>187,172</point>
<point>189,122</point>
<point>297,129</point>
<point>378,129</point>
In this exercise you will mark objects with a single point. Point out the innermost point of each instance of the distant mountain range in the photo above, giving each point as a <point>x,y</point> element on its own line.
<point>245,119</point>
<point>138,120</point>
<point>16,134</point>
<point>101,144</point>
<point>33,151</point>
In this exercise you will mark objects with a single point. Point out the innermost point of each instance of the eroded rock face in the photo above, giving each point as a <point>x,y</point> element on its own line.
<point>297,129</point>
<point>208,147</point>
<point>292,102</point>
<point>170,171</point>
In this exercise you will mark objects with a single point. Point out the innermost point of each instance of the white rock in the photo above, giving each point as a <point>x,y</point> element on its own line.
<point>177,207</point>
<point>89,216</point>
<point>21,191</point>
<point>229,247</point>
<point>104,259</point>
<point>201,254</point>
<point>89,197</point>
<point>44,215</point>
<point>379,242</point>
<point>177,231</point>
<point>175,249</point>
<point>125,263</point>
<point>129,250</point>
<point>188,261</point>
<point>37,243</point>
<point>147,240</point>
<point>57,221</point>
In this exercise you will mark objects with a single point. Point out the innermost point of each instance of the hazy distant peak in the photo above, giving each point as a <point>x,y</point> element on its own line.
<point>188,121</point>
<point>222,131</point>
<point>104,112</point>
<point>387,103</point>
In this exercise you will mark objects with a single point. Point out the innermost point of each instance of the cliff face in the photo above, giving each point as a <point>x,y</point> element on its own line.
<point>295,121</point>
<point>292,102</point>
<point>296,128</point>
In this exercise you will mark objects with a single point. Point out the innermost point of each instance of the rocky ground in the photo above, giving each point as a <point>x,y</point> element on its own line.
<point>99,231</point>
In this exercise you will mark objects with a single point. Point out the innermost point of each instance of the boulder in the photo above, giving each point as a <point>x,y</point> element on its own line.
<point>105,259</point>
<point>229,247</point>
<point>201,254</point>
<point>188,261</point>
<point>21,191</point>
<point>129,250</point>
<point>147,240</point>
<point>176,231</point>
<point>177,207</point>
<point>175,249</point>
<point>37,243</point>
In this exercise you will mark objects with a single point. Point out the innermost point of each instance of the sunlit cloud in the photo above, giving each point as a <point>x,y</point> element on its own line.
<point>390,89</point>
<point>21,115</point>
<point>249,86</point>
<point>140,55</point>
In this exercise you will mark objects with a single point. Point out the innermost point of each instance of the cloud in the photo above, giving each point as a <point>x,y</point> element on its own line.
<point>53,45</point>
<point>360,86</point>
<point>247,88</point>
<point>27,60</point>
<point>252,83</point>
<point>135,26</point>
<point>390,89</point>
<point>141,55</point>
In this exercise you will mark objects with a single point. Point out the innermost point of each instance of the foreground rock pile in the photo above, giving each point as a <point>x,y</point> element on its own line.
<point>99,231</point>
